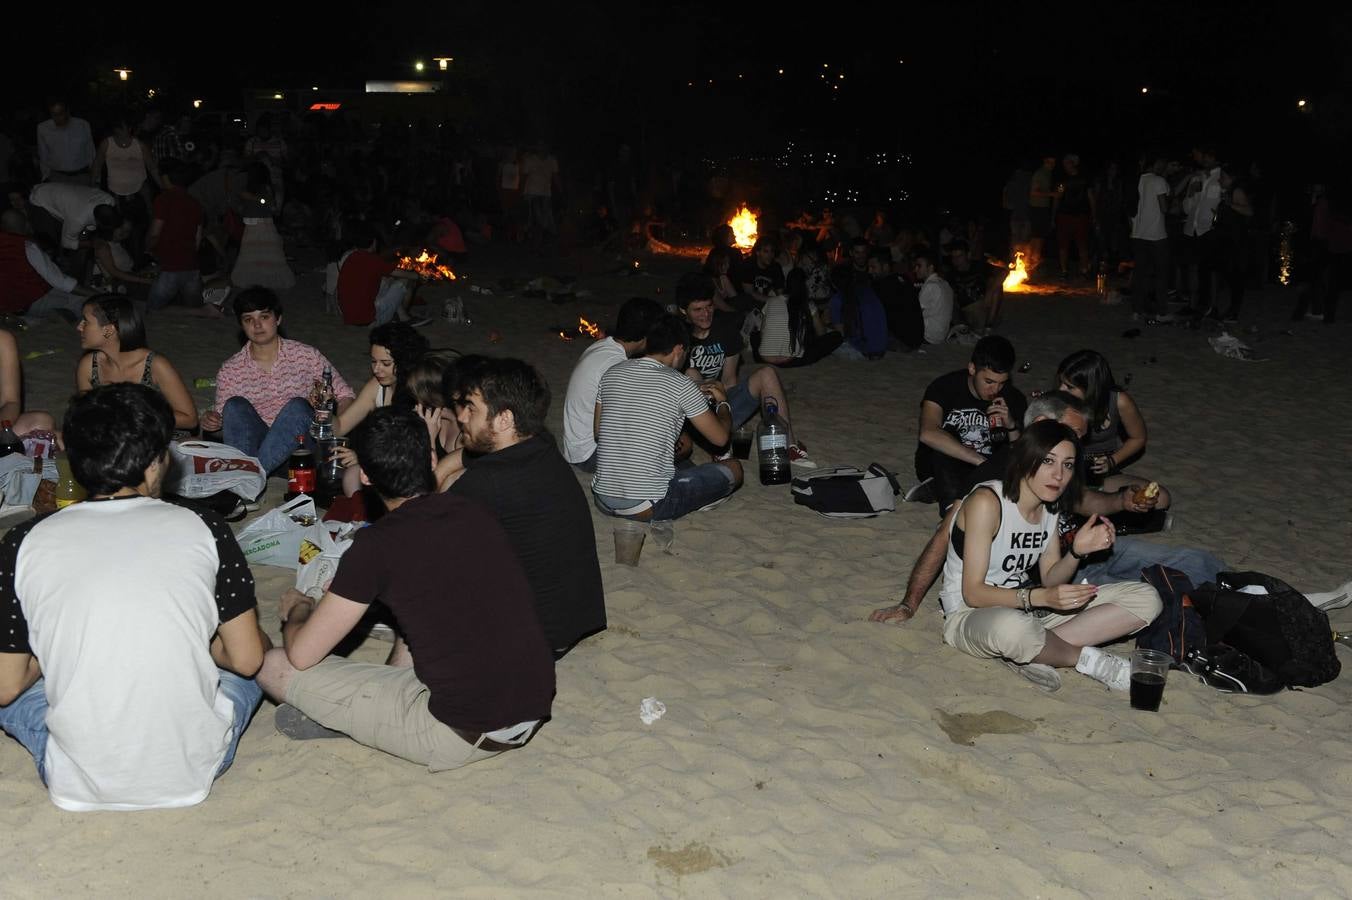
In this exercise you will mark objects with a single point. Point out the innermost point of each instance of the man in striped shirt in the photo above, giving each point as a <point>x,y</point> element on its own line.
<point>641,409</point>
<point>263,391</point>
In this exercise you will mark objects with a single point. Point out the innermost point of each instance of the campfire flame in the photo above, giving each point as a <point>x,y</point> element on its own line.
<point>590,329</point>
<point>1018,274</point>
<point>426,266</point>
<point>565,337</point>
<point>744,228</point>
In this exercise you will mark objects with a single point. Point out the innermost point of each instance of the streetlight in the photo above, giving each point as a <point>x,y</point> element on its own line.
<point>443,62</point>
<point>1145,90</point>
<point>123,74</point>
<point>419,66</point>
<point>1300,104</point>
<point>197,104</point>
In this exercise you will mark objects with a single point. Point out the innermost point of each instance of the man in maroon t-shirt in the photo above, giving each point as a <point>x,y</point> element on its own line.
<point>482,677</point>
<point>173,237</point>
<point>371,288</point>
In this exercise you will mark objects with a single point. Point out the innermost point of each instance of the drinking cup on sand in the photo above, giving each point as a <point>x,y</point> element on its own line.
<point>1149,672</point>
<point>741,442</point>
<point>629,537</point>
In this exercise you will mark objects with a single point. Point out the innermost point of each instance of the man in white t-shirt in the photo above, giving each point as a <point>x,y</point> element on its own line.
<point>641,408</point>
<point>625,341</point>
<point>936,300</point>
<point>72,205</point>
<point>1201,197</point>
<point>1150,243</point>
<point>133,635</point>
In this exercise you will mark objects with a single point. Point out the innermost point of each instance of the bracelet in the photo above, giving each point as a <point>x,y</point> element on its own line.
<point>721,404</point>
<point>1079,556</point>
<point>1025,597</point>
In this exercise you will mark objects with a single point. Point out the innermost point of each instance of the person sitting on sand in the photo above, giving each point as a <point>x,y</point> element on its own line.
<point>626,340</point>
<point>641,409</point>
<point>133,640</point>
<point>760,276</point>
<point>480,679</point>
<point>964,415</point>
<point>793,332</point>
<point>728,297</point>
<point>372,288</point>
<point>31,283</point>
<point>262,391</point>
<point>11,392</point>
<point>714,356</point>
<point>1117,433</point>
<point>510,464</point>
<point>425,384</point>
<point>1123,562</point>
<point>1006,527</point>
<point>113,338</point>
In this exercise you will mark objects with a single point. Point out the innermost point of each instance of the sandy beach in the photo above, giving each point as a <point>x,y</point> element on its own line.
<point>805,751</point>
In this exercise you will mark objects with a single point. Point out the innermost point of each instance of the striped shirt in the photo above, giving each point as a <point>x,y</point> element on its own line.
<point>644,405</point>
<point>297,367</point>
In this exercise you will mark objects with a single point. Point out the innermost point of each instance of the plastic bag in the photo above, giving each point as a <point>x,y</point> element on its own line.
<point>319,559</point>
<point>274,538</point>
<point>204,468</point>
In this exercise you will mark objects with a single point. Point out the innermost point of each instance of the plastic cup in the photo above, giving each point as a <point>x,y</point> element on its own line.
<point>1149,672</point>
<point>629,537</point>
<point>741,443</point>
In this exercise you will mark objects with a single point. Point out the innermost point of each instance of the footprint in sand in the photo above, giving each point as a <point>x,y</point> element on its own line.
<point>689,860</point>
<point>965,728</point>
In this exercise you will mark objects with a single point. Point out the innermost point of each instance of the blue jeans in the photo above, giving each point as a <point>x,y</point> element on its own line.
<point>1130,555</point>
<point>743,404</point>
<point>25,719</point>
<point>690,489</point>
<point>243,429</point>
<point>390,299</point>
<point>170,286</point>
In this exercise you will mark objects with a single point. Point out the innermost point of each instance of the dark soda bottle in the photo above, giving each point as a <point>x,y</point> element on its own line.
<point>300,473</point>
<point>9,442</point>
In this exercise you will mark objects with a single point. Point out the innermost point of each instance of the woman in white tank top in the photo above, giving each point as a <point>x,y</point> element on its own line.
<point>127,159</point>
<point>1005,529</point>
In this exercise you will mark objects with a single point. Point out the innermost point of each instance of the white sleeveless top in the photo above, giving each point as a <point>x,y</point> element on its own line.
<point>126,168</point>
<point>1016,548</point>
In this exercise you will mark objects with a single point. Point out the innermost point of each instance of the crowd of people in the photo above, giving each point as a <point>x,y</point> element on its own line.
<point>131,681</point>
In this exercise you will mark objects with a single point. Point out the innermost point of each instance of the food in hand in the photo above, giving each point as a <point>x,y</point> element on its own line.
<point>1148,493</point>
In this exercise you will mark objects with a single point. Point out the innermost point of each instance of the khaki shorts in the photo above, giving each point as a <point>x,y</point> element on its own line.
<point>1019,636</point>
<point>382,707</point>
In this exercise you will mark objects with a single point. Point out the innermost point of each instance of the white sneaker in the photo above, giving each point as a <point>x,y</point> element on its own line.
<point>1114,671</point>
<point>1335,599</point>
<point>1041,676</point>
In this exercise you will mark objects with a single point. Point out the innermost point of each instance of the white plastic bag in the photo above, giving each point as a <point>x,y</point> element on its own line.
<point>205,468</point>
<point>319,560</point>
<point>274,538</point>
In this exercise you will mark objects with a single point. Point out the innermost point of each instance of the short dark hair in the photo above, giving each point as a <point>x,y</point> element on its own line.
<point>257,299</point>
<point>1027,454</point>
<point>118,311</point>
<point>668,332</point>
<point>634,319</point>
<point>507,385</point>
<point>407,347</point>
<point>858,242</point>
<point>425,381</point>
<point>882,255</point>
<point>993,352</point>
<point>107,219</point>
<point>958,244</point>
<point>114,432</point>
<point>359,233</point>
<point>694,286</point>
<point>394,451</point>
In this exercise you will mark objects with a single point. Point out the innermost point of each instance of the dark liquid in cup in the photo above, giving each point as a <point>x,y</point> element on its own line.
<point>741,444</point>
<point>1147,690</point>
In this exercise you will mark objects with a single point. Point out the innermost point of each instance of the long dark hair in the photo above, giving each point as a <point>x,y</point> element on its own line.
<point>1088,370</point>
<point>407,347</point>
<point>118,311</point>
<point>800,312</point>
<point>1027,454</point>
<point>843,280</point>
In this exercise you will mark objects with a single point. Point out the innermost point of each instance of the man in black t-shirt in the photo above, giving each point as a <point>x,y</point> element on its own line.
<point>900,299</point>
<point>975,293</point>
<point>713,356</point>
<point>964,414</point>
<point>480,680</point>
<point>512,466</point>
<point>761,277</point>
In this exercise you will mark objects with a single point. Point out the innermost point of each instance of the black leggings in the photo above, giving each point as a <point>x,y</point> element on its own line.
<point>816,348</point>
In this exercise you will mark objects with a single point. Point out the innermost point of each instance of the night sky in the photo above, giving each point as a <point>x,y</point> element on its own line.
<point>956,85</point>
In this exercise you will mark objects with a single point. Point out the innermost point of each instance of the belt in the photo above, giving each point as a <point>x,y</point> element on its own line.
<point>484,743</point>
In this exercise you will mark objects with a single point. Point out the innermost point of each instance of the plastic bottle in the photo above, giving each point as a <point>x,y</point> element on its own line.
<point>300,474</point>
<point>68,490</point>
<point>772,445</point>
<point>9,442</point>
<point>1101,280</point>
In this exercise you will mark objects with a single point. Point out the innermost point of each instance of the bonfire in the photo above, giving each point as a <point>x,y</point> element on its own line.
<point>1018,274</point>
<point>744,228</point>
<point>426,267</point>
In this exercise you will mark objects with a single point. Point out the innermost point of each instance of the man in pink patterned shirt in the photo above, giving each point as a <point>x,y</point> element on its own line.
<point>262,392</point>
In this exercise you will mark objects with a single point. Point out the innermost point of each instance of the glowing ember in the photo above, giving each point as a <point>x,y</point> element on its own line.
<point>1284,253</point>
<point>590,329</point>
<point>1018,274</point>
<point>426,266</point>
<point>565,336</point>
<point>744,228</point>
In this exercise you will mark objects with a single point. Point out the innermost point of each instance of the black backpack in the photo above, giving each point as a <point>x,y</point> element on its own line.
<point>1178,628</point>
<point>847,493</point>
<point>1280,631</point>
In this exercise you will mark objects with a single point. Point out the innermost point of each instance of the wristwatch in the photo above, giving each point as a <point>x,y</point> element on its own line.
<point>1025,599</point>
<point>1079,556</point>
